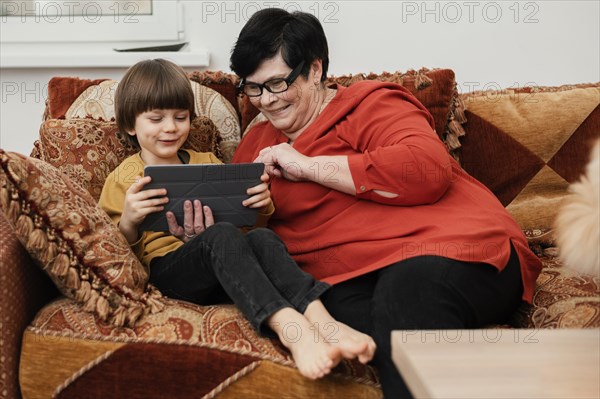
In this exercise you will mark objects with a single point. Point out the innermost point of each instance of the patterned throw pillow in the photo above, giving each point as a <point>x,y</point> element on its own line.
<point>70,97</point>
<point>74,241</point>
<point>527,145</point>
<point>62,92</point>
<point>87,150</point>
<point>435,89</point>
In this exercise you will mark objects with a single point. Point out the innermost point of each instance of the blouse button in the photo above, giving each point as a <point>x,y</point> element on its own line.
<point>362,188</point>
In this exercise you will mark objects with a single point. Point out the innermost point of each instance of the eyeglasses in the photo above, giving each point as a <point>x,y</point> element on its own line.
<point>277,85</point>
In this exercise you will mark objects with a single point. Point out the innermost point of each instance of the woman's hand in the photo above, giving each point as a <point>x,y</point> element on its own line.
<point>260,196</point>
<point>139,204</point>
<point>282,160</point>
<point>196,219</point>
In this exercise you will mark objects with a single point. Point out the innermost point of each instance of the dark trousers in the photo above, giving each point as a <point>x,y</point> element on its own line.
<point>254,270</point>
<point>425,292</point>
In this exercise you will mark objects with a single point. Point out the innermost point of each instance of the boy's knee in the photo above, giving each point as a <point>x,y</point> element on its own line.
<point>222,231</point>
<point>260,234</point>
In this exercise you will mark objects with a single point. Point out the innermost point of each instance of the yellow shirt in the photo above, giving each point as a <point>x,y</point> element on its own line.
<point>151,244</point>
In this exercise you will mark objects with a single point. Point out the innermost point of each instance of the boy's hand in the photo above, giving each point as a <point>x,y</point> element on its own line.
<point>260,196</point>
<point>138,204</point>
<point>196,219</point>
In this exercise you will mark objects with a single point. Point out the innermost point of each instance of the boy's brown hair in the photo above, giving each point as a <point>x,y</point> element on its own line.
<point>148,85</point>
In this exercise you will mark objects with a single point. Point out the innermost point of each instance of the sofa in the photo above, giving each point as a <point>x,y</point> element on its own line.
<point>79,318</point>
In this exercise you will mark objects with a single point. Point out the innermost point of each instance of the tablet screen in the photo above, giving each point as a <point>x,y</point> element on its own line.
<point>222,187</point>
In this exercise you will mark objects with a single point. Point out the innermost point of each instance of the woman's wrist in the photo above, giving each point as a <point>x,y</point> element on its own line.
<point>332,172</point>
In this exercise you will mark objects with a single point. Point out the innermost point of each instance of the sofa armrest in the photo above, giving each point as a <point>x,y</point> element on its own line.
<point>24,290</point>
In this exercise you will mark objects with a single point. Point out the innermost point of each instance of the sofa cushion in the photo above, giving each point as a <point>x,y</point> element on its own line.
<point>528,144</point>
<point>435,89</point>
<point>209,350</point>
<point>74,241</point>
<point>87,150</point>
<point>62,92</point>
<point>95,100</point>
<point>563,298</point>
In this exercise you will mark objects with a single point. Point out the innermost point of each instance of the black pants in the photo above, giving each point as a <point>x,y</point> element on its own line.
<point>254,270</point>
<point>425,292</point>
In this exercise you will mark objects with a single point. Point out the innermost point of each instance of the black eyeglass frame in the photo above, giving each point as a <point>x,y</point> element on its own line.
<point>288,81</point>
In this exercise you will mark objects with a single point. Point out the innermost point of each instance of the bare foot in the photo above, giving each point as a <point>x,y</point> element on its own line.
<point>314,357</point>
<point>352,343</point>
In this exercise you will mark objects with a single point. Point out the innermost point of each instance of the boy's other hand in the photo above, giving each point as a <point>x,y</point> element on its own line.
<point>260,195</point>
<point>139,204</point>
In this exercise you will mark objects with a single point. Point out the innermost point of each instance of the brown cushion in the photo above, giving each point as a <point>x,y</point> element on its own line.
<point>527,145</point>
<point>223,83</point>
<point>208,350</point>
<point>62,91</point>
<point>73,240</point>
<point>435,89</point>
<point>87,150</point>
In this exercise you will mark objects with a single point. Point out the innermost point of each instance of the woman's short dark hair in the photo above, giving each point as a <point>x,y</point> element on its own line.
<point>298,35</point>
<point>148,85</point>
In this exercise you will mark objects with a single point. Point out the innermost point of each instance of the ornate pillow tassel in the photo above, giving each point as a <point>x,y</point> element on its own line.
<point>456,128</point>
<point>133,314</point>
<point>38,241</point>
<point>84,292</point>
<point>459,110</point>
<point>102,308</point>
<point>73,280</point>
<point>153,298</point>
<point>118,317</point>
<point>155,305</point>
<point>14,210</point>
<point>422,81</point>
<point>60,266</point>
<point>90,304</point>
<point>52,246</point>
<point>452,142</point>
<point>4,197</point>
<point>24,226</point>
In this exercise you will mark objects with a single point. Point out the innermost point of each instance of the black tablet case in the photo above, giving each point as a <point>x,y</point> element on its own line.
<point>222,187</point>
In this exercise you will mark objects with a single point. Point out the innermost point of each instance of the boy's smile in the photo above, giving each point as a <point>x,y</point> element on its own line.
<point>160,134</point>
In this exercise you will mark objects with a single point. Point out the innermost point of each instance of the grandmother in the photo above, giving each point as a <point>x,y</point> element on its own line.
<point>368,199</point>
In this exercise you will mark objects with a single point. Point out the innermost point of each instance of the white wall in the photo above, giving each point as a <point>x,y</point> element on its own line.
<point>489,45</point>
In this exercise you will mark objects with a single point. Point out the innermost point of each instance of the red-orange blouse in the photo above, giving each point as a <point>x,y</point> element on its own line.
<point>391,146</point>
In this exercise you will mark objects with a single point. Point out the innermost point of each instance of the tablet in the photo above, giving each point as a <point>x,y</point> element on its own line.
<point>222,187</point>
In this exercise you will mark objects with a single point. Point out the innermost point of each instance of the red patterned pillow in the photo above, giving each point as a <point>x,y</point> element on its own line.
<point>87,150</point>
<point>74,241</point>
